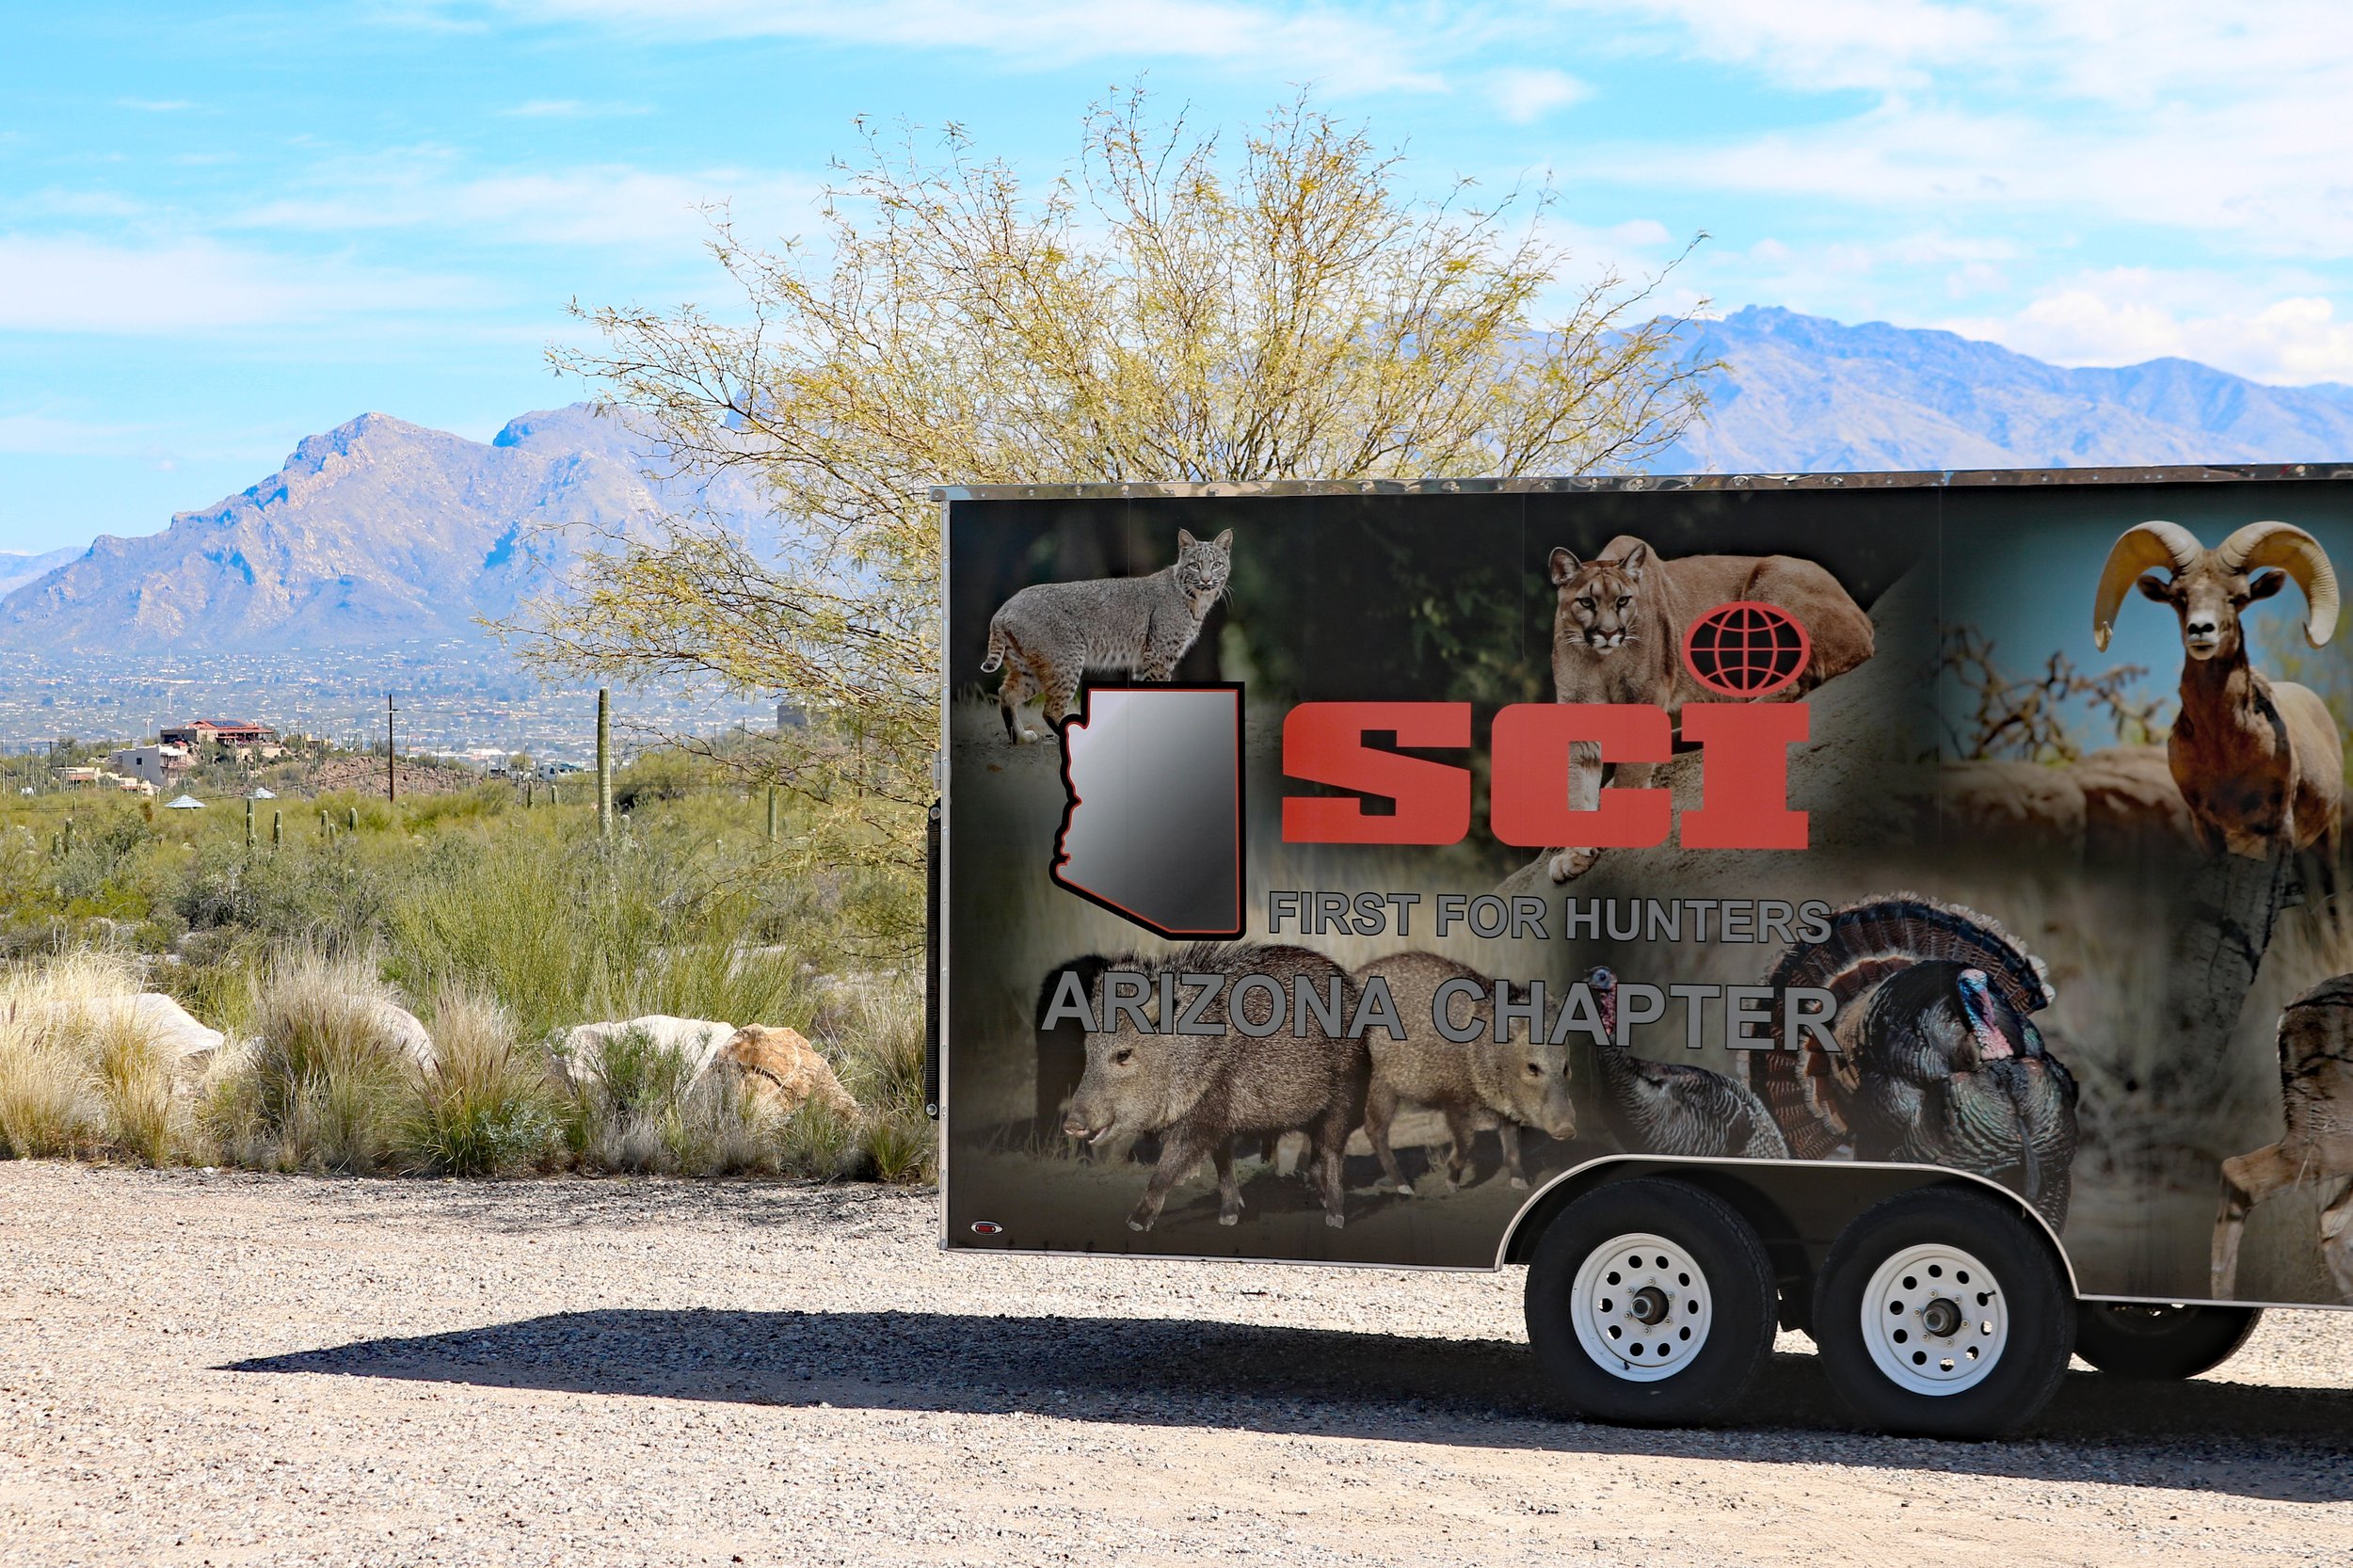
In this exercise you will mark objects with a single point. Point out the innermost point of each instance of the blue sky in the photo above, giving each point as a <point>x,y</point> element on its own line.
<point>223,228</point>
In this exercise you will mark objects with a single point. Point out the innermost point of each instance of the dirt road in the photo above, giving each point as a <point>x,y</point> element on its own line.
<point>234,1368</point>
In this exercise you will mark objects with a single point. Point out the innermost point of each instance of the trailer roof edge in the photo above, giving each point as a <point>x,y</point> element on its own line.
<point>1635,483</point>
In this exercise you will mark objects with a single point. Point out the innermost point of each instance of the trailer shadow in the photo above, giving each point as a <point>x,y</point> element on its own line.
<point>2291,1444</point>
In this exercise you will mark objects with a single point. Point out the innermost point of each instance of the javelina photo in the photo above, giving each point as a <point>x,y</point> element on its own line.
<point>1198,1091</point>
<point>1482,1082</point>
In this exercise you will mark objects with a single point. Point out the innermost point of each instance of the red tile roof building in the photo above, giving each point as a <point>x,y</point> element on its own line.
<point>219,733</point>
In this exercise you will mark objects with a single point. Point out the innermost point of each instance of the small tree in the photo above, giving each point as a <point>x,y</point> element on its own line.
<point>1168,311</point>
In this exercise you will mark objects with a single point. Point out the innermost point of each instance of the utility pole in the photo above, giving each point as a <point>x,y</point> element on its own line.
<point>391,769</point>
<point>604,761</point>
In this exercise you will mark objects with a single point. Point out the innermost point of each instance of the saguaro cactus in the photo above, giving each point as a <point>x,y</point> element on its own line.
<point>604,761</point>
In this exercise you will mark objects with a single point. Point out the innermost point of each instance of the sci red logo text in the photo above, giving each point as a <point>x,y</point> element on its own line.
<point>1741,650</point>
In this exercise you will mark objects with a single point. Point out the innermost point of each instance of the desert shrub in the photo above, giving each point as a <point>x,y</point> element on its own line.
<point>687,910</point>
<point>324,1082</point>
<point>104,840</point>
<point>487,1108</point>
<point>816,1142</point>
<point>642,1108</point>
<point>553,933</point>
<point>139,1116</point>
<point>81,1069</point>
<point>716,1132</point>
<point>566,933</point>
<point>374,813</point>
<point>658,776</point>
<point>880,1055</point>
<point>460,806</point>
<point>631,1073</point>
<point>46,1109</point>
<point>320,893</point>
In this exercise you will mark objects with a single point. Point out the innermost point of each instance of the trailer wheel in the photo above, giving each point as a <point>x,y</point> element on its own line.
<point>1650,1301</point>
<point>2140,1339</point>
<point>1943,1314</point>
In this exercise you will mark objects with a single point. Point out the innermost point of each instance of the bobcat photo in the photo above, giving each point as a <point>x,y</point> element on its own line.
<point>1049,635</point>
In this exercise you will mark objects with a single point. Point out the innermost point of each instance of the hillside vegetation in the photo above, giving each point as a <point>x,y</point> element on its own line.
<point>499,927</point>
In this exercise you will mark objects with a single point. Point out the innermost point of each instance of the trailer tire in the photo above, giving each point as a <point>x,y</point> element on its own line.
<point>1943,1314</point>
<point>2160,1344</point>
<point>1650,1303</point>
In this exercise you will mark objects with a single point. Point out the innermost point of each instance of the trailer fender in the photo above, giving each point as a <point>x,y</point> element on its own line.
<point>1797,1206</point>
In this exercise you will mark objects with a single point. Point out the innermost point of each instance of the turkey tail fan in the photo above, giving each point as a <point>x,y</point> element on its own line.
<point>1807,1089</point>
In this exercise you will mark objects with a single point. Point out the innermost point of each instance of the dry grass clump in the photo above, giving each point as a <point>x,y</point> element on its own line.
<point>323,1083</point>
<point>46,1107</point>
<point>642,1108</point>
<point>83,1070</point>
<point>319,1081</point>
<point>133,1075</point>
<point>488,1107</point>
<point>878,1052</point>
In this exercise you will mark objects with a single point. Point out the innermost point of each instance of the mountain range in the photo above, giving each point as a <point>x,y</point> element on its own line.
<point>1798,394</point>
<point>380,531</point>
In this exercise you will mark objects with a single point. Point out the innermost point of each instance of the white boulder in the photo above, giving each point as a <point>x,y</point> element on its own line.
<point>696,1041</point>
<point>403,1030</point>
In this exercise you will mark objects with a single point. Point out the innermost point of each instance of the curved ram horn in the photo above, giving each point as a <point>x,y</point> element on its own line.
<point>2137,550</point>
<point>2298,555</point>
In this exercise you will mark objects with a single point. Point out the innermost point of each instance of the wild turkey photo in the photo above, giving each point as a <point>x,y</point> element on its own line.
<point>1937,1062</point>
<point>1671,1106</point>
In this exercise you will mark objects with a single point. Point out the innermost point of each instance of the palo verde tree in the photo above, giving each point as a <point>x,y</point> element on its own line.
<point>1173,309</point>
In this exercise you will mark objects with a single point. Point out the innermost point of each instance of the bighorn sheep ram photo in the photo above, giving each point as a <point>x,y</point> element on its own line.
<point>2259,762</point>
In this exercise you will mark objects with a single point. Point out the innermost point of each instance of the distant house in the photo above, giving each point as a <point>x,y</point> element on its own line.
<point>87,776</point>
<point>159,767</point>
<point>550,772</point>
<point>238,738</point>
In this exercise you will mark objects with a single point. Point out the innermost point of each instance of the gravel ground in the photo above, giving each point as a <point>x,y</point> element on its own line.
<point>232,1368</point>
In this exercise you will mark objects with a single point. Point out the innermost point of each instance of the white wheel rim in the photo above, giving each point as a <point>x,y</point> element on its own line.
<point>1935,1320</point>
<point>1642,1307</point>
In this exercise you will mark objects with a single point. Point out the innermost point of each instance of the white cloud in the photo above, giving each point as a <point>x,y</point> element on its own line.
<point>1638,232</point>
<point>59,202</point>
<point>2260,177</point>
<point>74,283</point>
<point>2127,315</point>
<point>1281,39</point>
<point>1526,96</point>
<point>568,109</point>
<point>52,435</point>
<point>602,205</point>
<point>2127,53</point>
<point>1817,43</point>
<point>2176,114</point>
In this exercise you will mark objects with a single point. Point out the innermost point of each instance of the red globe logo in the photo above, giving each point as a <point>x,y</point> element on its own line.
<point>1746,648</point>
